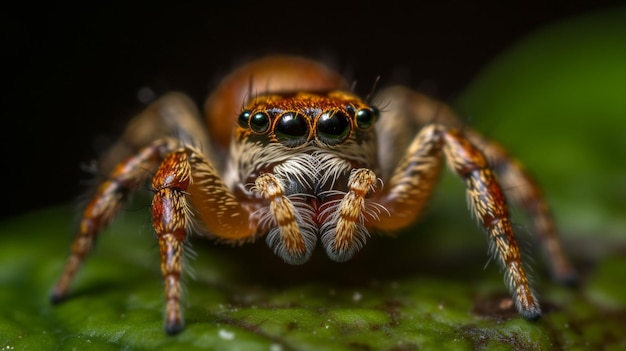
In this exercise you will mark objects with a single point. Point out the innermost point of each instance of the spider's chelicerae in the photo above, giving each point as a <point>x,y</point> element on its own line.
<point>290,154</point>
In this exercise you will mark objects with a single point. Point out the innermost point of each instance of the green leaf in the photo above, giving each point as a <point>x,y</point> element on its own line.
<point>556,99</point>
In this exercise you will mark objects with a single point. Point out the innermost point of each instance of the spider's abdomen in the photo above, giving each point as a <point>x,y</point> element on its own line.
<point>271,74</point>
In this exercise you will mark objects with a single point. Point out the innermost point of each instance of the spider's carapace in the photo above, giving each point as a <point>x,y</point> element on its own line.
<point>290,154</point>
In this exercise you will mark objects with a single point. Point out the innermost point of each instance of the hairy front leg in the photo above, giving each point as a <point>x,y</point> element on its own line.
<point>125,166</point>
<point>488,204</point>
<point>173,118</point>
<point>170,215</point>
<point>521,189</point>
<point>412,183</point>
<point>105,204</point>
<point>185,177</point>
<point>409,111</point>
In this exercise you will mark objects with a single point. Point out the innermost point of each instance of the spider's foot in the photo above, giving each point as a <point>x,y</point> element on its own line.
<point>531,314</point>
<point>56,296</point>
<point>174,327</point>
<point>174,321</point>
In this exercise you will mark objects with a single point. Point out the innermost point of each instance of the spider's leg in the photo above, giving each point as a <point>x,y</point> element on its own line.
<point>166,136</point>
<point>172,115</point>
<point>488,204</point>
<point>522,190</point>
<point>126,165</point>
<point>105,204</point>
<point>403,114</point>
<point>186,176</point>
<point>409,111</point>
<point>413,180</point>
<point>170,221</point>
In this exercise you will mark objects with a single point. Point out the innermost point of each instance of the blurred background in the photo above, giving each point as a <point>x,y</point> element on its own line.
<point>73,75</point>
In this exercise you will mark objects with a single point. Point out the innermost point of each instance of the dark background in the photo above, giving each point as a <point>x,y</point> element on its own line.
<point>72,73</point>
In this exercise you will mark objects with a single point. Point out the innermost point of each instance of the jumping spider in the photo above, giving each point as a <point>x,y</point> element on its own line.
<point>289,153</point>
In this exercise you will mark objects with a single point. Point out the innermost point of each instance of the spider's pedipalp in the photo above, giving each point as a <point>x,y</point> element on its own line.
<point>293,237</point>
<point>343,232</point>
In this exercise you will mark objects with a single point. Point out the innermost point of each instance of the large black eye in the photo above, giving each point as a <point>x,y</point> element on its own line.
<point>292,129</point>
<point>258,122</point>
<point>333,127</point>
<point>365,117</point>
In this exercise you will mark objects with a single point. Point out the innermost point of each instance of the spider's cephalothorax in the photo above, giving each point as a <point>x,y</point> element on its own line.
<point>304,160</point>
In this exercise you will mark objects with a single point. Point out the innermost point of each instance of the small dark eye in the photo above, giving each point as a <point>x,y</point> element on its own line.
<point>333,127</point>
<point>259,122</point>
<point>292,129</point>
<point>365,117</point>
<point>243,118</point>
<point>350,109</point>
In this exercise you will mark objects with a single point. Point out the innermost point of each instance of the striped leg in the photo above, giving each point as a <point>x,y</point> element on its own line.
<point>412,183</point>
<point>103,207</point>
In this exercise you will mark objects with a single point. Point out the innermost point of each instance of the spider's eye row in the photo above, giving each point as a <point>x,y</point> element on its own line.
<point>292,128</point>
<point>333,127</point>
<point>259,122</point>
<point>365,117</point>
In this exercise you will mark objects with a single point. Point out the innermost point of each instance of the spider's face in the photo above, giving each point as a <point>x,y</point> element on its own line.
<point>304,148</point>
<point>308,139</point>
